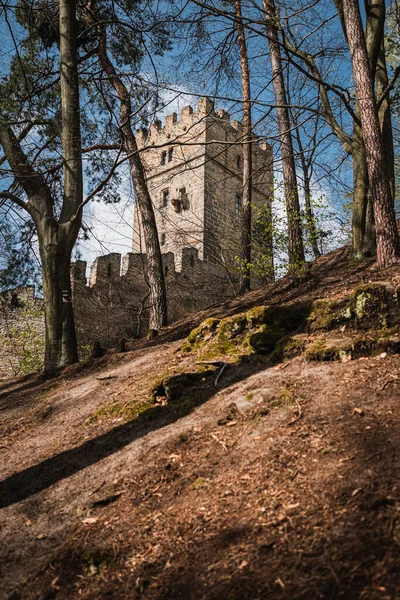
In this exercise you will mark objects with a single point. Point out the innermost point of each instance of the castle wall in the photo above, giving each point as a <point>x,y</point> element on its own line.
<point>116,301</point>
<point>174,161</point>
<point>206,161</point>
<point>224,184</point>
<point>112,304</point>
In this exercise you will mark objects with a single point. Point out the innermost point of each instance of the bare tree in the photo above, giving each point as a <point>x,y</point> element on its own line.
<point>155,272</point>
<point>295,236</point>
<point>247,163</point>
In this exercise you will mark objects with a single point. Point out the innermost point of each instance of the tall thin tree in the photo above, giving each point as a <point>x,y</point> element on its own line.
<point>247,163</point>
<point>295,235</point>
<point>385,220</point>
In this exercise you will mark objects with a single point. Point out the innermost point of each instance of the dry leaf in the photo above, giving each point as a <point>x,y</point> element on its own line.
<point>358,411</point>
<point>90,520</point>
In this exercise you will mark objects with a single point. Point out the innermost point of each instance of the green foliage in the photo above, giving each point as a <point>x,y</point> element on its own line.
<point>23,343</point>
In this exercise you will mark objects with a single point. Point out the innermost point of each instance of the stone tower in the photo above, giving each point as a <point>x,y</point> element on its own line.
<point>194,172</point>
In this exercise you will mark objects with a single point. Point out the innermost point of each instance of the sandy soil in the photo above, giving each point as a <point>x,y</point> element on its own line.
<point>280,482</point>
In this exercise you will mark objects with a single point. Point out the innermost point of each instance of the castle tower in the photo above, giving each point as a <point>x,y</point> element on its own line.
<point>193,168</point>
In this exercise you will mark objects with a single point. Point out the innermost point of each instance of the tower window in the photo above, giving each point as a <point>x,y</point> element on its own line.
<point>163,157</point>
<point>163,239</point>
<point>170,154</point>
<point>184,198</point>
<point>238,161</point>
<point>238,203</point>
<point>164,198</point>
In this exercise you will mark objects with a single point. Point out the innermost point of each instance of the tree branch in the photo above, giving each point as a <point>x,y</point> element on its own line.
<point>6,195</point>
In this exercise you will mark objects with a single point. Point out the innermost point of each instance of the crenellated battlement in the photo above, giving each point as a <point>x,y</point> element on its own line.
<point>117,269</point>
<point>175,127</point>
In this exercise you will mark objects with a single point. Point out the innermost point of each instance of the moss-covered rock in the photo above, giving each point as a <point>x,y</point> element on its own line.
<point>264,340</point>
<point>366,346</point>
<point>230,327</point>
<point>289,347</point>
<point>199,334</point>
<point>287,317</point>
<point>328,350</point>
<point>324,316</point>
<point>174,386</point>
<point>369,305</point>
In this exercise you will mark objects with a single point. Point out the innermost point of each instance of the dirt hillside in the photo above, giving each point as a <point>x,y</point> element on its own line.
<point>248,452</point>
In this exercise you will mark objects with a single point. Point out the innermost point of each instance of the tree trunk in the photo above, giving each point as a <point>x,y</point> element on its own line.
<point>312,230</point>
<point>247,165</point>
<point>385,117</point>
<point>296,249</point>
<point>386,229</point>
<point>363,231</point>
<point>306,168</point>
<point>155,271</point>
<point>61,345</point>
<point>56,237</point>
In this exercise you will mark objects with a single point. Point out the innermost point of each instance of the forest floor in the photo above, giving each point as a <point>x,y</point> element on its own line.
<point>278,480</point>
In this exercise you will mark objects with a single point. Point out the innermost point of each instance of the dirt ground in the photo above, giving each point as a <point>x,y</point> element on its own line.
<point>278,482</point>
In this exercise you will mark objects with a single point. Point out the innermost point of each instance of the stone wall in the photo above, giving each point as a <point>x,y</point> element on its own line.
<point>113,303</point>
<point>197,161</point>
<point>116,301</point>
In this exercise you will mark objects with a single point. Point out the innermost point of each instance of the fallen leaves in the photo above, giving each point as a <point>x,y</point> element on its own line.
<point>90,520</point>
<point>358,411</point>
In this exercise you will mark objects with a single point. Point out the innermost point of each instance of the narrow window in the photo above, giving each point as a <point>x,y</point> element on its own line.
<point>238,203</point>
<point>163,157</point>
<point>238,161</point>
<point>165,198</point>
<point>184,199</point>
<point>170,154</point>
<point>163,239</point>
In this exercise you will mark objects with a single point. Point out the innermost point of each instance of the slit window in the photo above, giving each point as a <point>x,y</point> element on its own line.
<point>170,154</point>
<point>238,203</point>
<point>163,239</point>
<point>164,198</point>
<point>238,161</point>
<point>163,157</point>
<point>184,198</point>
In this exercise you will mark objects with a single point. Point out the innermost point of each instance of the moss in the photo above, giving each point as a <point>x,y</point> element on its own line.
<point>199,334</point>
<point>231,327</point>
<point>258,315</point>
<point>264,340</point>
<point>324,316</point>
<point>288,347</point>
<point>327,350</point>
<point>198,483</point>
<point>365,346</point>
<point>287,317</point>
<point>227,348</point>
<point>285,397</point>
<point>369,305</point>
<point>97,560</point>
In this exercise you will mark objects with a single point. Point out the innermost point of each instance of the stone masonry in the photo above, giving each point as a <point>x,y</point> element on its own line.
<point>194,173</point>
<point>193,169</point>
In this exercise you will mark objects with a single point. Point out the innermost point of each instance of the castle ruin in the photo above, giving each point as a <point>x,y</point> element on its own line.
<point>193,168</point>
